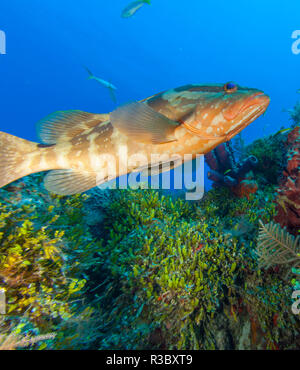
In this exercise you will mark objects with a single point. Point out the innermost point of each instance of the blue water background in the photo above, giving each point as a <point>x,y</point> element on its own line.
<point>165,45</point>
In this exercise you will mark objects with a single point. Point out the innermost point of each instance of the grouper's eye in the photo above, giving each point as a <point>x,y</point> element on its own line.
<point>230,87</point>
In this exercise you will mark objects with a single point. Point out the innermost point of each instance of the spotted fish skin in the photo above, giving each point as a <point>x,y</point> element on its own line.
<point>77,144</point>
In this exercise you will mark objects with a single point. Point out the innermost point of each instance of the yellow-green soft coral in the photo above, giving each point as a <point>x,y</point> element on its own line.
<point>177,270</point>
<point>45,253</point>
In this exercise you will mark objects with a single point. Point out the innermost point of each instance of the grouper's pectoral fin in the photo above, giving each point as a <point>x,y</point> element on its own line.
<point>142,123</point>
<point>68,182</point>
<point>64,125</point>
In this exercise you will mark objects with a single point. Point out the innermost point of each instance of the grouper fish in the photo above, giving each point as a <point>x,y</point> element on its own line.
<point>79,147</point>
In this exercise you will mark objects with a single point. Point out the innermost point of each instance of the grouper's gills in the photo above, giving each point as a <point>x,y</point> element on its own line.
<point>81,148</point>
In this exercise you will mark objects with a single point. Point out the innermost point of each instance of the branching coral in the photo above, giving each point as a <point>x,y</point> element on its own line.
<point>41,245</point>
<point>170,263</point>
<point>177,279</point>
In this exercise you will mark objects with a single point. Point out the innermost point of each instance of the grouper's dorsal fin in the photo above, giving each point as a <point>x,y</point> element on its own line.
<point>64,125</point>
<point>68,182</point>
<point>142,123</point>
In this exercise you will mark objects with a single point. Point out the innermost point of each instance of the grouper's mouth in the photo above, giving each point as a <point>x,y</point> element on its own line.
<point>242,114</point>
<point>249,111</point>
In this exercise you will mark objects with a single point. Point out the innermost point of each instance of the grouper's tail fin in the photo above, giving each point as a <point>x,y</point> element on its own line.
<point>13,155</point>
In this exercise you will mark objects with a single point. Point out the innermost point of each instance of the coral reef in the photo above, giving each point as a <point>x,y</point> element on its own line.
<point>295,115</point>
<point>226,171</point>
<point>177,280</point>
<point>143,269</point>
<point>288,197</point>
<point>270,153</point>
<point>46,256</point>
<point>161,272</point>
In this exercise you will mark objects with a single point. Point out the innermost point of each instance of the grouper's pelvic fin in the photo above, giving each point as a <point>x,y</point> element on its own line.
<point>13,154</point>
<point>68,182</point>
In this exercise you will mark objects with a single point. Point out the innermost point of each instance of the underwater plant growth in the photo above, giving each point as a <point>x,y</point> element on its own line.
<point>194,275</point>
<point>145,269</point>
<point>46,254</point>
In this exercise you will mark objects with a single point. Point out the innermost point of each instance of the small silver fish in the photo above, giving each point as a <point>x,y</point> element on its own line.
<point>133,7</point>
<point>111,88</point>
